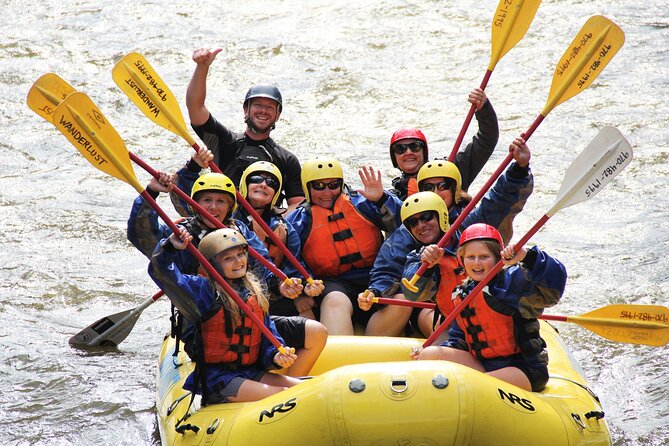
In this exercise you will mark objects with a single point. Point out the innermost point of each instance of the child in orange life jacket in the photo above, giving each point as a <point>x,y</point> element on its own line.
<point>260,186</point>
<point>341,232</point>
<point>216,193</point>
<point>498,332</point>
<point>409,149</point>
<point>234,355</point>
<point>425,216</point>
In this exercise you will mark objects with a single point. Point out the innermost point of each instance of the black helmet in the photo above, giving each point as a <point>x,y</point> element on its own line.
<point>264,91</point>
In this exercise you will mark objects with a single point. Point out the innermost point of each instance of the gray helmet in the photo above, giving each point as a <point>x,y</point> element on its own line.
<point>264,91</point>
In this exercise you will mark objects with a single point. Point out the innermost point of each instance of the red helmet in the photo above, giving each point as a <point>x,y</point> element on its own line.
<point>479,231</point>
<point>407,132</point>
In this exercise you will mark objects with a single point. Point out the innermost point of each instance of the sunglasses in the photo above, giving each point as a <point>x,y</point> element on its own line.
<point>415,147</point>
<point>442,186</point>
<point>332,185</point>
<point>411,222</point>
<point>257,179</point>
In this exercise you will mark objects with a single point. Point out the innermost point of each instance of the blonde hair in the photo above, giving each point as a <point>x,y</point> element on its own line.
<point>254,287</point>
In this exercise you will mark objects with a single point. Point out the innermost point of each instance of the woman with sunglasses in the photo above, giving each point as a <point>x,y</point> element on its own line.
<point>498,208</point>
<point>260,185</point>
<point>409,149</point>
<point>341,232</point>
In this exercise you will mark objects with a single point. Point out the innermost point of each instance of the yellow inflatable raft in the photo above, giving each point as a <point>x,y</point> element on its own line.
<point>365,391</point>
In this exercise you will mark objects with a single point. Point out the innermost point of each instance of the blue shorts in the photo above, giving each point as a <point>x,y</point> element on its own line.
<point>537,373</point>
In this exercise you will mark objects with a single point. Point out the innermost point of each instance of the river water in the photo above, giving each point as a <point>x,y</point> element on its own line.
<point>351,72</point>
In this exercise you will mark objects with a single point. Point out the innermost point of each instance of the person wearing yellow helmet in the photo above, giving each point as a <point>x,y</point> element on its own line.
<point>497,332</point>
<point>341,231</point>
<point>409,148</point>
<point>260,185</point>
<point>425,216</point>
<point>233,152</point>
<point>499,206</point>
<point>231,352</point>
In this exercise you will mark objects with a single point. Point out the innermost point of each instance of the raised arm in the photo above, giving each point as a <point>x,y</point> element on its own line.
<point>197,87</point>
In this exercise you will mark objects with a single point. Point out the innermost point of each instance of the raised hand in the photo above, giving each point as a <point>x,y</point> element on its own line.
<point>520,152</point>
<point>477,98</point>
<point>205,56</point>
<point>371,181</point>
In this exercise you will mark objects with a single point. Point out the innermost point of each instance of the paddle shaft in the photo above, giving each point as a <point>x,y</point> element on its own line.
<point>202,211</point>
<point>653,331</point>
<point>478,288</point>
<point>215,275</point>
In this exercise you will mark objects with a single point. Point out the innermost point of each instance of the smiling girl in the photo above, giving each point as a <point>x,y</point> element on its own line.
<point>498,332</point>
<point>232,354</point>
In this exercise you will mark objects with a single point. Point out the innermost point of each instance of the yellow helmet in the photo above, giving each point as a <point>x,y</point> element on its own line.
<point>318,169</point>
<point>441,169</point>
<point>215,182</point>
<point>265,167</point>
<point>426,201</point>
<point>220,240</point>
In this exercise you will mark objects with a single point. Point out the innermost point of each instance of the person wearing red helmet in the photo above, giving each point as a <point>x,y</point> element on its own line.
<point>409,149</point>
<point>498,331</point>
<point>234,152</point>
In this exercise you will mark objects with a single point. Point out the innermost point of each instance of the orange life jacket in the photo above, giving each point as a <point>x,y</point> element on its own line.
<point>451,274</point>
<point>412,186</point>
<point>488,325</point>
<point>340,239</point>
<point>238,346</point>
<point>281,232</point>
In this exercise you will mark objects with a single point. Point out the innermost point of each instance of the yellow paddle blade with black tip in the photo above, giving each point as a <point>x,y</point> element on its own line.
<point>141,83</point>
<point>87,129</point>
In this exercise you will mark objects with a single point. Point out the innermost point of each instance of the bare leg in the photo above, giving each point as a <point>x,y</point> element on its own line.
<point>389,320</point>
<point>315,337</point>
<point>309,314</point>
<point>336,313</point>
<point>452,355</point>
<point>513,375</point>
<point>425,319</point>
<point>269,384</point>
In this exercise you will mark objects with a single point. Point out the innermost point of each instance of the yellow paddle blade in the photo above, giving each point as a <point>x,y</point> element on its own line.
<point>140,82</point>
<point>511,21</point>
<point>635,324</point>
<point>46,93</point>
<point>592,49</point>
<point>90,133</point>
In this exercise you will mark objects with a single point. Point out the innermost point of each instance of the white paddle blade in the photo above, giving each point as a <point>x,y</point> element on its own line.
<point>604,158</point>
